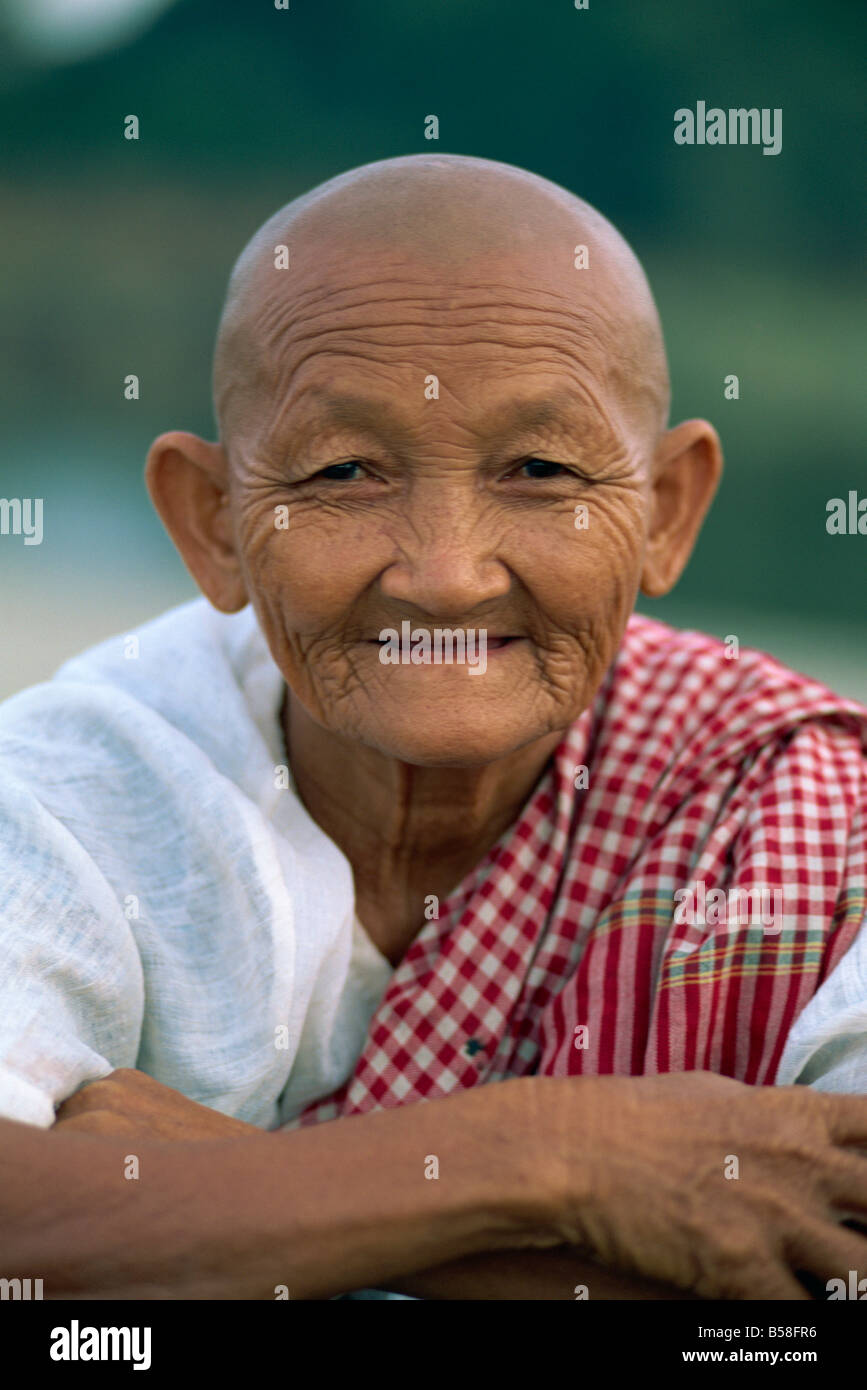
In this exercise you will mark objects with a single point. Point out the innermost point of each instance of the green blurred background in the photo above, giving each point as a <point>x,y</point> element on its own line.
<point>116,253</point>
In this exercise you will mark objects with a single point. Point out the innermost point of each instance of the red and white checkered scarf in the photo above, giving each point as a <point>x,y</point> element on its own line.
<point>561,953</point>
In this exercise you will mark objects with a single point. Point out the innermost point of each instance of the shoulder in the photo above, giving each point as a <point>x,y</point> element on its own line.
<point>717,698</point>
<point>191,687</point>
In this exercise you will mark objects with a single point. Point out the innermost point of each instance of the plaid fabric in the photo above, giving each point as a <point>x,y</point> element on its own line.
<point>562,952</point>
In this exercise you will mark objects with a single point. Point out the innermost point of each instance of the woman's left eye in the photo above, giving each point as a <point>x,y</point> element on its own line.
<point>338,472</point>
<point>542,468</point>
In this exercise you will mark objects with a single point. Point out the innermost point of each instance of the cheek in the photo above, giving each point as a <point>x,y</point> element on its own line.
<point>582,568</point>
<point>310,572</point>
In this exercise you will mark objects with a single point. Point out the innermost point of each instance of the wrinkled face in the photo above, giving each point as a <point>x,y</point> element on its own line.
<point>366,495</point>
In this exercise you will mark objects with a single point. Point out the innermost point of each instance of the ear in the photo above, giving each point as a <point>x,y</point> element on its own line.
<point>687,467</point>
<point>188,482</point>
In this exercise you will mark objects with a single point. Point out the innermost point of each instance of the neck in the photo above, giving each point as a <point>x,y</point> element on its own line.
<point>407,831</point>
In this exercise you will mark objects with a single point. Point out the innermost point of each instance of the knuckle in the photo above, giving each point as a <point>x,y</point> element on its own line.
<point>743,1269</point>
<point>738,1248</point>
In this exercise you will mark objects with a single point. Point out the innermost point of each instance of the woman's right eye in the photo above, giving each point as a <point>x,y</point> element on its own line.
<point>337,472</point>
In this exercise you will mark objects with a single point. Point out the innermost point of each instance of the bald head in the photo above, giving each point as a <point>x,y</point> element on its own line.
<point>426,224</point>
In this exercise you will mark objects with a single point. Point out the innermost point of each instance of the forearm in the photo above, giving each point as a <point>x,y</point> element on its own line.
<point>321,1210</point>
<point>551,1275</point>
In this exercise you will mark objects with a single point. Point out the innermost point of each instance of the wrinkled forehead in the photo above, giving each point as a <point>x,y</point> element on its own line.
<point>437,288</point>
<point>390,306</point>
<point>376,321</point>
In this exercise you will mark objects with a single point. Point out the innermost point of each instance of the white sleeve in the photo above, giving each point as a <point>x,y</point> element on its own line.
<point>71,982</point>
<point>827,1047</point>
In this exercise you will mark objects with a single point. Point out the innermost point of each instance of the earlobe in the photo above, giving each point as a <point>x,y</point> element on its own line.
<point>188,479</point>
<point>686,472</point>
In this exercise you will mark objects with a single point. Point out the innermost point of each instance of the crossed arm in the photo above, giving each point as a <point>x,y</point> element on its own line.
<point>616,1183</point>
<point>131,1104</point>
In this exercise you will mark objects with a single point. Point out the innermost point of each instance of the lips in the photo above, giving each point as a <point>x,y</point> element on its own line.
<point>492,642</point>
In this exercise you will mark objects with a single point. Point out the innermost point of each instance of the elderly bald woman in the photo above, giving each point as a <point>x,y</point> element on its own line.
<point>270,882</point>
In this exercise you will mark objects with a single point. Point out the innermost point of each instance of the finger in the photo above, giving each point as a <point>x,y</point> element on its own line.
<point>73,1105</point>
<point>846,1185</point>
<point>91,1094</point>
<point>846,1117</point>
<point>784,1287</point>
<point>828,1251</point>
<point>772,1284</point>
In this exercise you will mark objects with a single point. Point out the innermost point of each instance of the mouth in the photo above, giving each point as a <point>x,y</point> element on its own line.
<point>493,644</point>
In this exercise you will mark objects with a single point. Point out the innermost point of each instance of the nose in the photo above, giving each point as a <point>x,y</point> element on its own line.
<point>447,563</point>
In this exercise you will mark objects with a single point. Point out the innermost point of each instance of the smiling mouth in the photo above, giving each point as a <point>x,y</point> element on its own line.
<point>493,644</point>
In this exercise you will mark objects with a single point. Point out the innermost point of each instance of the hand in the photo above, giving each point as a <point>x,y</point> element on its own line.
<point>643,1185</point>
<point>130,1102</point>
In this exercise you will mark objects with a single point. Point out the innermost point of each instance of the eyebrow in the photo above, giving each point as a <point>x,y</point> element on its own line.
<point>351,409</point>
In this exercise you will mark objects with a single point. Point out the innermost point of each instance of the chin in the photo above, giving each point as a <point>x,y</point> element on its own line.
<point>449,737</point>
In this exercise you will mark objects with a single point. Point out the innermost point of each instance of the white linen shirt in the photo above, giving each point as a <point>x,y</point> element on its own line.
<point>166,905</point>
